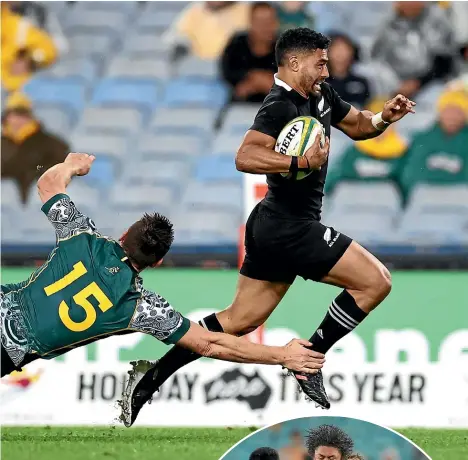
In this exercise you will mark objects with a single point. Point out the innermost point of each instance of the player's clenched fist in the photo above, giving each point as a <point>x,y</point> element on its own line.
<point>301,359</point>
<point>316,155</point>
<point>80,162</point>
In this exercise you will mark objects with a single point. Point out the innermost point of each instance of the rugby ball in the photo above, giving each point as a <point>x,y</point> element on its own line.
<point>296,137</point>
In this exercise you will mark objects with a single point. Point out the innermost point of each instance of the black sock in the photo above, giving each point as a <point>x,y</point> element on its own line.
<point>342,317</point>
<point>178,357</point>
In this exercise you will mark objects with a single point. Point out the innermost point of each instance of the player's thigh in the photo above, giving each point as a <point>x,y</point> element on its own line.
<point>362,274</point>
<point>253,303</point>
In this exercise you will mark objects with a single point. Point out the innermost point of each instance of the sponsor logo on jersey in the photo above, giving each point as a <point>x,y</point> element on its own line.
<point>237,385</point>
<point>321,104</point>
<point>113,270</point>
<point>327,236</point>
<point>322,114</point>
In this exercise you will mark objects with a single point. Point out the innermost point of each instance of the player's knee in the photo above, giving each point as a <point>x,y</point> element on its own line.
<point>382,284</point>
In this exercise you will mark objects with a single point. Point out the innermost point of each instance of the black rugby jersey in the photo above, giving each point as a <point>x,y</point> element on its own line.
<point>298,198</point>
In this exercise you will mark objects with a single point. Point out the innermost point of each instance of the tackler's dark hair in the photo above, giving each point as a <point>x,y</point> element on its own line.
<point>301,39</point>
<point>329,436</point>
<point>264,453</point>
<point>148,240</point>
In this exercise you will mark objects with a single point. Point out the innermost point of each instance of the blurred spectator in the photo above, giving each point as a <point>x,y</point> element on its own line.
<point>461,82</point>
<point>205,27</point>
<point>459,19</point>
<point>27,148</point>
<point>264,453</point>
<point>248,62</point>
<point>417,43</point>
<point>25,49</point>
<point>44,19</point>
<point>342,54</point>
<point>293,14</point>
<point>296,450</point>
<point>439,155</point>
<point>380,158</point>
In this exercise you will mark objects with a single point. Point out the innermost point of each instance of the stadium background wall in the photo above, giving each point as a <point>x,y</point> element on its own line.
<point>391,371</point>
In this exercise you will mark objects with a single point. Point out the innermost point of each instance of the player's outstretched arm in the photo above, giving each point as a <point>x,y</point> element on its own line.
<point>56,179</point>
<point>293,356</point>
<point>366,125</point>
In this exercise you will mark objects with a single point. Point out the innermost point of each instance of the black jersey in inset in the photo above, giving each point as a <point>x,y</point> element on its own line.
<point>297,198</point>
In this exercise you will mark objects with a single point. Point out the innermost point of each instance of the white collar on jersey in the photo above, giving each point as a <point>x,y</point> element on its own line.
<point>280,82</point>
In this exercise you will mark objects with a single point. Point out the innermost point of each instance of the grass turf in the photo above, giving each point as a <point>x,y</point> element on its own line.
<point>78,443</point>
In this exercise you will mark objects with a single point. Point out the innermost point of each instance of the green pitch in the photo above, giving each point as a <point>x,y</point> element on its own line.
<point>50,443</point>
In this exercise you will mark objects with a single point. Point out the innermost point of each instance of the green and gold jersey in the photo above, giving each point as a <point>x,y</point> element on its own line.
<point>85,291</point>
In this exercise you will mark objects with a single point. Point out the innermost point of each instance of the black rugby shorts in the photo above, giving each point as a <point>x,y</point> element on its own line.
<point>279,249</point>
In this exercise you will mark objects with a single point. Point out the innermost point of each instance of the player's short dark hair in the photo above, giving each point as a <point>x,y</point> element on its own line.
<point>148,240</point>
<point>264,453</point>
<point>330,436</point>
<point>301,39</point>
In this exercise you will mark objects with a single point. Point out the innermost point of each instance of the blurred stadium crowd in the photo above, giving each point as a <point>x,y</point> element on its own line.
<point>162,93</point>
<point>288,440</point>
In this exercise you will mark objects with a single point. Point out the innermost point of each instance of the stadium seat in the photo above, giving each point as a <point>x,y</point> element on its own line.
<point>156,21</point>
<point>143,198</point>
<point>109,151</point>
<point>170,146</point>
<point>365,226</point>
<point>114,120</point>
<point>97,45</point>
<point>220,196</point>
<point>205,227</point>
<point>158,171</point>
<point>132,93</point>
<point>439,198</point>
<point>113,146</point>
<point>227,144</point>
<point>103,7</point>
<point>90,21</point>
<point>196,68</point>
<point>63,92</point>
<point>217,168</point>
<point>10,194</point>
<point>382,197</point>
<point>104,172</point>
<point>184,121</point>
<point>139,68</point>
<point>144,44</point>
<point>56,120</point>
<point>84,196</point>
<point>429,228</point>
<point>186,93</point>
<point>239,118</point>
<point>79,68</point>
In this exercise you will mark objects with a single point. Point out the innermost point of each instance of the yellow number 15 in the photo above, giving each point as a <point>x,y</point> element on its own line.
<point>80,298</point>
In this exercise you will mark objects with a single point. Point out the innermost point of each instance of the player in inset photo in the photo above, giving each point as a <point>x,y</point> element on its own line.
<point>325,438</point>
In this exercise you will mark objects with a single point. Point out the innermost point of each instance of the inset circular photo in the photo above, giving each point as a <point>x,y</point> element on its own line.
<point>325,438</point>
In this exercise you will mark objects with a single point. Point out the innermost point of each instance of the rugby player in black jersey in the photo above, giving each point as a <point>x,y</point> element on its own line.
<point>284,237</point>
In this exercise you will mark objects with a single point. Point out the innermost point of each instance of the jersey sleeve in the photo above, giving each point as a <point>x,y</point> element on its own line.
<point>339,108</point>
<point>273,117</point>
<point>66,218</point>
<point>154,315</point>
